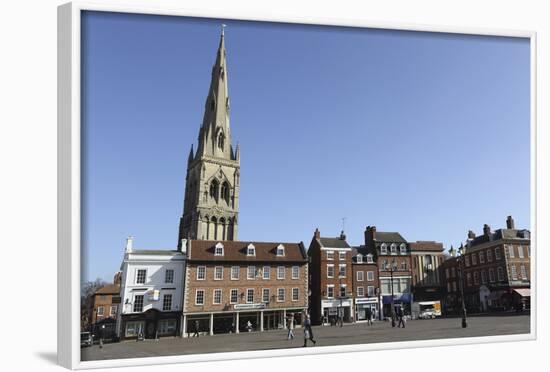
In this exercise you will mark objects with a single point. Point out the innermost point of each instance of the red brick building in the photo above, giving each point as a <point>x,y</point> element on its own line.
<point>365,283</point>
<point>331,275</point>
<point>496,269</point>
<point>104,307</point>
<point>231,283</point>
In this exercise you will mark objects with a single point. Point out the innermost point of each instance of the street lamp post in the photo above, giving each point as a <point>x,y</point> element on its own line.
<point>461,282</point>
<point>393,266</point>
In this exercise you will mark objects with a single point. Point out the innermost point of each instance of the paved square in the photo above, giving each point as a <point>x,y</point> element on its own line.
<point>359,333</point>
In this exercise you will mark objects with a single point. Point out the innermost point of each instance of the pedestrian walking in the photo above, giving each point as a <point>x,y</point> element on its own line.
<point>196,329</point>
<point>308,331</point>
<point>341,320</point>
<point>101,335</point>
<point>290,326</point>
<point>401,317</point>
<point>249,326</point>
<point>369,316</point>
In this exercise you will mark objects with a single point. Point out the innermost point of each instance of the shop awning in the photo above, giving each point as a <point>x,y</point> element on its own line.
<point>523,292</point>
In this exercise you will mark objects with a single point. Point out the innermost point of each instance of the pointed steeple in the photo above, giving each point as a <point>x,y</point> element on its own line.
<point>215,134</point>
<point>191,155</point>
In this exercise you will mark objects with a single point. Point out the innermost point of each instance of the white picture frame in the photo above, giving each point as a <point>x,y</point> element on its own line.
<point>69,187</point>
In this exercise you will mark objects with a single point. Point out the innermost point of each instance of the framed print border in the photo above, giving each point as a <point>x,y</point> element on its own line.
<point>69,182</point>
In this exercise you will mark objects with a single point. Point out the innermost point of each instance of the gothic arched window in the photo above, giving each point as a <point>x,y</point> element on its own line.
<point>214,190</point>
<point>221,141</point>
<point>225,192</point>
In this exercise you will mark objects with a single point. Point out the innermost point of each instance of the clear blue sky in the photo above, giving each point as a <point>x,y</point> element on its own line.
<point>422,133</point>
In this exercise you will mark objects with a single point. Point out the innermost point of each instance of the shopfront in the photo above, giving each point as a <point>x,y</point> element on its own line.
<point>403,300</point>
<point>339,308</point>
<point>362,305</point>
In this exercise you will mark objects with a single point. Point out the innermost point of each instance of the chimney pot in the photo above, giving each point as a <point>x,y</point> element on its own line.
<point>129,244</point>
<point>486,230</point>
<point>510,223</point>
<point>317,234</point>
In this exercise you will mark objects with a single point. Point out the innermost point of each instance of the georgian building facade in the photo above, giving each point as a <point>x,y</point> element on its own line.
<point>231,284</point>
<point>365,283</point>
<point>331,278</point>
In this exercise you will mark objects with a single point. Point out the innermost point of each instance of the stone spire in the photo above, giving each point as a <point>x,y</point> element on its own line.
<point>215,134</point>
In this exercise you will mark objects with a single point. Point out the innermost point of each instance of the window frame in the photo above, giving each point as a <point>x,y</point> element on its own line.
<point>231,292</point>
<point>248,291</point>
<point>281,269</point>
<point>295,270</point>
<point>340,266</point>
<point>330,255</point>
<point>138,271</point>
<point>166,276</point>
<point>330,288</point>
<point>264,291</point>
<point>197,291</point>
<point>218,269</point>
<point>297,291</point>
<point>142,298</point>
<point>360,291</point>
<point>360,278</point>
<point>199,271</point>
<point>279,294</point>
<point>214,292</point>
<point>164,297</point>
<point>248,272</point>
<point>330,266</point>
<point>235,269</point>
<point>370,276</point>
<point>266,269</point>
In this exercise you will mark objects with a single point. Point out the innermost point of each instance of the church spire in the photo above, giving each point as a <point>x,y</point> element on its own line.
<point>215,135</point>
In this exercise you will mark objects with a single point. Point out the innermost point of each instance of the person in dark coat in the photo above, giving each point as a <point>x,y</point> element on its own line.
<point>369,316</point>
<point>400,317</point>
<point>308,332</point>
<point>196,329</point>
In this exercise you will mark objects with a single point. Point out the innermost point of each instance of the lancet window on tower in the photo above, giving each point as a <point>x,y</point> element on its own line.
<point>225,192</point>
<point>214,190</point>
<point>221,141</point>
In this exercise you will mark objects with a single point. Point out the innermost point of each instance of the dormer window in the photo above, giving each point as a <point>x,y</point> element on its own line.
<point>384,248</point>
<point>359,258</point>
<point>369,258</point>
<point>393,248</point>
<point>218,250</point>
<point>403,248</point>
<point>251,250</point>
<point>280,250</point>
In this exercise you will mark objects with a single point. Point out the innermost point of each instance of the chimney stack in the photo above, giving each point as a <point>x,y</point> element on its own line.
<point>317,234</point>
<point>183,248</point>
<point>486,230</point>
<point>129,244</point>
<point>510,223</point>
<point>471,234</point>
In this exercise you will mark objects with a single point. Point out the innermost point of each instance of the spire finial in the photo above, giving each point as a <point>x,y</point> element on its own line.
<point>223,28</point>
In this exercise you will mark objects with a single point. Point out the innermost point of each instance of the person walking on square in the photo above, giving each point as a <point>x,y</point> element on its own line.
<point>308,331</point>
<point>290,326</point>
<point>249,326</point>
<point>401,317</point>
<point>101,335</point>
<point>369,316</point>
<point>196,329</point>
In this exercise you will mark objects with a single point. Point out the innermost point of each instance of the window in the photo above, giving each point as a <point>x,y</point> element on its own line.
<point>330,291</point>
<point>403,249</point>
<point>201,272</point>
<point>251,250</point>
<point>114,308</point>
<point>453,272</point>
<point>295,272</point>
<point>385,286</point>
<point>280,294</point>
<point>370,291</point>
<point>476,278</point>
<point>330,270</point>
<point>393,248</point>
<point>233,298</point>
<point>265,295</point>
<point>500,273</point>
<point>448,286</point>
<point>249,296</point>
<point>280,272</point>
<point>251,273</point>
<point>225,192</point>
<point>520,251</point>
<point>481,257</point>
<point>280,250</point>
<point>167,326</point>
<point>214,190</point>
<point>199,297</point>
<point>370,276</point>
<point>497,253</point>
<point>267,272</point>
<point>169,276</point>
<point>523,272</point>
<point>359,258</point>
<point>330,255</point>
<point>100,311</point>
<point>369,258</point>
<point>138,303</point>
<point>360,291</point>
<point>489,255</point>
<point>492,275</point>
<point>467,261</point>
<point>469,279</point>
<point>483,277</point>
<point>343,290</point>
<point>360,276</point>
<point>134,328</point>
<point>141,275</point>
<point>447,273</point>
<point>218,250</point>
<point>342,256</point>
<point>384,249</point>
<point>235,272</point>
<point>217,297</point>
<point>167,302</point>
<point>218,273</point>
<point>295,294</point>
<point>513,272</point>
<point>342,270</point>
<point>511,251</point>
<point>454,286</point>
<point>404,265</point>
<point>474,259</point>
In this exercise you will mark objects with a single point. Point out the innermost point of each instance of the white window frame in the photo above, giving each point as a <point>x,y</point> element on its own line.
<point>330,287</point>
<point>481,257</point>
<point>497,254</point>
<point>264,291</point>
<point>251,250</point>
<point>142,295</point>
<point>281,269</point>
<point>199,271</point>
<point>403,248</point>
<point>247,295</point>
<point>369,258</point>
<point>144,277</point>
<point>511,252</point>
<point>111,312</point>
<point>197,297</point>
<point>219,249</point>
<point>393,248</point>
<point>360,278</point>
<point>513,272</point>
<point>100,310</point>
<point>489,255</point>
<point>370,291</point>
<point>231,292</point>
<point>279,294</point>
<point>492,276</point>
<point>218,269</point>
<point>370,276</point>
<point>248,271</point>
<point>359,258</point>
<point>345,287</point>
<point>297,292</point>
<point>521,254</point>
<point>166,276</point>
<point>328,270</point>
<point>216,290</point>
<point>500,274</point>
<point>330,255</point>
<point>342,256</point>
<point>295,272</point>
<point>235,270</point>
<point>340,270</point>
<point>361,291</point>
<point>523,272</point>
<point>384,248</point>
<point>267,269</point>
<point>164,296</point>
<point>280,250</point>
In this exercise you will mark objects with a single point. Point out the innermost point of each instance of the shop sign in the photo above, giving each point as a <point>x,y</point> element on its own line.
<point>249,306</point>
<point>368,300</point>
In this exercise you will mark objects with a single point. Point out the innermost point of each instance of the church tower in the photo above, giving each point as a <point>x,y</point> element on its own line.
<point>211,202</point>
